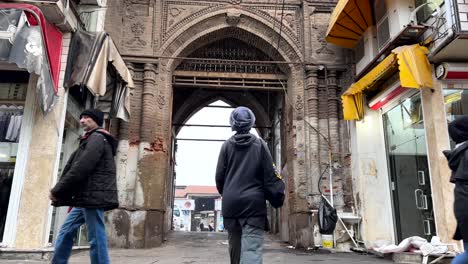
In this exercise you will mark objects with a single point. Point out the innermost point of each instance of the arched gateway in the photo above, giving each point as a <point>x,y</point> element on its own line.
<point>185,55</point>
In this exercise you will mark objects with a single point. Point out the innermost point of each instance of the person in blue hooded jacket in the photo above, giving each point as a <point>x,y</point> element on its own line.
<point>246,178</point>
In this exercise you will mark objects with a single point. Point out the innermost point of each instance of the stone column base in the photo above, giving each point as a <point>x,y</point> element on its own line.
<point>135,229</point>
<point>301,230</point>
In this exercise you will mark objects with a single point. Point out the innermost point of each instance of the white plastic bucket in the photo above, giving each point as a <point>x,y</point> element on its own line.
<point>327,241</point>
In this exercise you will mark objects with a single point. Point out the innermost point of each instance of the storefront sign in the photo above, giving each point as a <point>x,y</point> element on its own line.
<point>452,71</point>
<point>185,204</point>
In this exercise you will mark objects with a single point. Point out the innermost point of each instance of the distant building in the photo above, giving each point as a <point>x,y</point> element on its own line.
<point>194,205</point>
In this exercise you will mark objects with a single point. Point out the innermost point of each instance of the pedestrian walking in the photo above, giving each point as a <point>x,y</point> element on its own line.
<point>89,185</point>
<point>246,177</point>
<point>458,163</point>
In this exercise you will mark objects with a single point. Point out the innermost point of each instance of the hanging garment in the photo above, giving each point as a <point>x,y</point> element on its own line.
<point>11,127</point>
<point>14,128</point>
<point>17,128</point>
<point>4,120</point>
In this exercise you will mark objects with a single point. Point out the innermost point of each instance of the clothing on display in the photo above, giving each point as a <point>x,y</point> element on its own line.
<point>11,118</point>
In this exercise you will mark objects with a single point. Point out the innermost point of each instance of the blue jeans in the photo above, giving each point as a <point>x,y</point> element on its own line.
<point>463,257</point>
<point>94,219</point>
<point>246,245</point>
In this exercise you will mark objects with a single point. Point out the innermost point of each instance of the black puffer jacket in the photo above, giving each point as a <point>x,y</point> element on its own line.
<point>458,163</point>
<point>89,178</point>
<point>246,177</point>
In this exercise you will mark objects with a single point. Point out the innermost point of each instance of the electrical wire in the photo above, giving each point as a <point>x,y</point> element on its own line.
<point>291,105</point>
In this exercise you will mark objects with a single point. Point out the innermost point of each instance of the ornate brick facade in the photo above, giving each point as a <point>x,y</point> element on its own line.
<point>155,37</point>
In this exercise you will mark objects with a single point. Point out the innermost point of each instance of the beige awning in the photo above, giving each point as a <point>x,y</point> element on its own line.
<point>91,56</point>
<point>97,82</point>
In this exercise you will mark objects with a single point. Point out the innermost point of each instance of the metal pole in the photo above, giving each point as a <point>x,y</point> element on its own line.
<point>330,166</point>
<point>200,139</point>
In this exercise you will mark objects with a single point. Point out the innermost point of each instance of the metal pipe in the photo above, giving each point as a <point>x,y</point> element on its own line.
<point>219,106</point>
<point>451,36</point>
<point>201,125</point>
<point>154,59</point>
<point>330,160</point>
<point>442,45</point>
<point>200,139</point>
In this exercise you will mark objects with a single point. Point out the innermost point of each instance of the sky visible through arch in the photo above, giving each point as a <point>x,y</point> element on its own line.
<point>196,160</point>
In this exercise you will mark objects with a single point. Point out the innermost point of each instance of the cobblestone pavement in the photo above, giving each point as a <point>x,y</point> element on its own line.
<point>205,247</point>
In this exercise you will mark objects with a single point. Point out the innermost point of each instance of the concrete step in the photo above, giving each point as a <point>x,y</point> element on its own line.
<point>416,258</point>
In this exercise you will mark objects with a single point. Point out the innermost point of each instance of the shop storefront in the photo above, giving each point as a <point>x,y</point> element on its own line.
<point>30,51</point>
<point>96,77</point>
<point>393,175</point>
<point>41,98</point>
<point>13,85</point>
<point>408,167</point>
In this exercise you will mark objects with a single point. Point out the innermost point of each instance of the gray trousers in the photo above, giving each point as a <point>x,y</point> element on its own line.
<point>246,245</point>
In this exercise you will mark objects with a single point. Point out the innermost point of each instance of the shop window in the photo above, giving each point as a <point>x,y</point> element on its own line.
<point>13,88</point>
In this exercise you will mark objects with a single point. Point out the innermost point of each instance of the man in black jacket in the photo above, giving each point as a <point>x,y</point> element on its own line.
<point>458,163</point>
<point>89,185</point>
<point>246,177</point>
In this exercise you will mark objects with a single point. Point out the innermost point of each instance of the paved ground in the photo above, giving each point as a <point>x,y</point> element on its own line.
<point>198,248</point>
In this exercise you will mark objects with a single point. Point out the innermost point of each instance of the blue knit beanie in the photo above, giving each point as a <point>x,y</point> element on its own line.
<point>242,119</point>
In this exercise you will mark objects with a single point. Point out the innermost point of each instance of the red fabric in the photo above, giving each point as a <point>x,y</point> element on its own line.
<point>51,34</point>
<point>102,130</point>
<point>397,91</point>
<point>31,19</point>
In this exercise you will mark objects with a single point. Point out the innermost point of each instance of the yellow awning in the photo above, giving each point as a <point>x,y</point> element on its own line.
<point>348,22</point>
<point>414,70</point>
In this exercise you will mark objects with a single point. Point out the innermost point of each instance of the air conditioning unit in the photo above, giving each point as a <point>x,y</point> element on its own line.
<point>60,13</point>
<point>383,32</point>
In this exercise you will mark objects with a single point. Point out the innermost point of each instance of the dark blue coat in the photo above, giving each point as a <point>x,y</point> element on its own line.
<point>246,178</point>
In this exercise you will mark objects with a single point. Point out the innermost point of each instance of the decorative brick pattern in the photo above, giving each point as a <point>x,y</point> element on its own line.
<point>181,27</point>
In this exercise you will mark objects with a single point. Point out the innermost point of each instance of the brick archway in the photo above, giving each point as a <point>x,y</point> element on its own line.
<point>148,159</point>
<point>264,36</point>
<point>250,21</point>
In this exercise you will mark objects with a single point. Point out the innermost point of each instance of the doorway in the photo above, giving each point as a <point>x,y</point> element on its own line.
<point>409,169</point>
